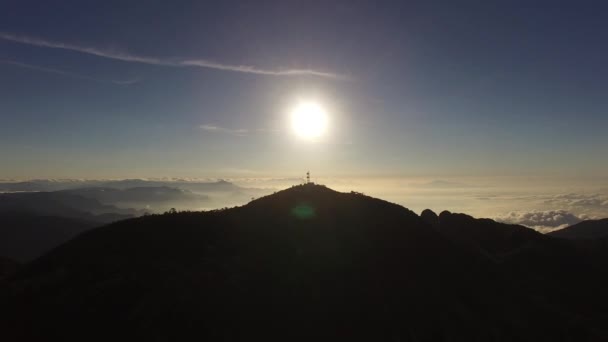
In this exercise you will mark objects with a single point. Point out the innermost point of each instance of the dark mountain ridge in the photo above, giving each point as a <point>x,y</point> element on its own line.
<point>309,263</point>
<point>590,229</point>
<point>155,199</point>
<point>32,223</point>
<point>25,236</point>
<point>7,267</point>
<point>122,184</point>
<point>64,205</point>
<point>153,196</point>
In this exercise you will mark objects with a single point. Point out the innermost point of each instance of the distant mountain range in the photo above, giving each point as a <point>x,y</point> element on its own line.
<point>149,195</point>
<point>63,204</point>
<point>153,199</point>
<point>57,185</point>
<point>309,263</point>
<point>36,216</point>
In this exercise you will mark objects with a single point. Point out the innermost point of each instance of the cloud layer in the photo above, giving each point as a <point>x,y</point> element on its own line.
<point>543,221</point>
<point>589,201</point>
<point>199,63</point>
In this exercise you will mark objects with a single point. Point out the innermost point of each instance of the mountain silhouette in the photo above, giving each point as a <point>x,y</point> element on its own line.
<point>25,236</point>
<point>32,223</point>
<point>7,267</point>
<point>128,196</point>
<point>123,184</point>
<point>158,199</point>
<point>590,229</point>
<point>487,236</point>
<point>62,204</point>
<point>310,263</point>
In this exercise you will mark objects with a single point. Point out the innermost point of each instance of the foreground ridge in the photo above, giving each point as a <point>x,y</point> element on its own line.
<point>310,263</point>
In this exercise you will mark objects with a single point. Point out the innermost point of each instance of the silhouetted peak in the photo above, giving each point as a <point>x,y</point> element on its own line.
<point>492,238</point>
<point>444,214</point>
<point>302,191</point>
<point>455,216</point>
<point>307,250</point>
<point>312,191</point>
<point>320,202</point>
<point>428,213</point>
<point>429,216</point>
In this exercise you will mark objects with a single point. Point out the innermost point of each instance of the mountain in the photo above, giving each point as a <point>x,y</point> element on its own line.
<point>142,194</point>
<point>25,236</point>
<point>195,186</point>
<point>568,276</point>
<point>489,237</point>
<point>7,267</point>
<point>32,223</point>
<point>309,263</point>
<point>63,205</point>
<point>154,199</point>
<point>590,229</point>
<point>122,184</point>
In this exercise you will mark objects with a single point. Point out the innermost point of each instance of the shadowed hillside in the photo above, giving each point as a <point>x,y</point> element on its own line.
<point>25,236</point>
<point>33,223</point>
<point>590,229</point>
<point>307,263</point>
<point>7,267</point>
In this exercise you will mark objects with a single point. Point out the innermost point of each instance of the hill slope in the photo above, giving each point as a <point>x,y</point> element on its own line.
<point>25,236</point>
<point>591,229</point>
<point>7,267</point>
<point>302,264</point>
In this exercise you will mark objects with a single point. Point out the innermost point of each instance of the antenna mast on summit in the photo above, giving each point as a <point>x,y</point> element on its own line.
<point>307,177</point>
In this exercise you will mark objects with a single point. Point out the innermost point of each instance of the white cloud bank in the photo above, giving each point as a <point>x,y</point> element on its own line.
<point>543,221</point>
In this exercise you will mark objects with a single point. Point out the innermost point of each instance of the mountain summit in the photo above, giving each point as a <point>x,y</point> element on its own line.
<point>306,263</point>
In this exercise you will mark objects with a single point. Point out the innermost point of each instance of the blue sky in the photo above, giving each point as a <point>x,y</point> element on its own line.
<point>94,89</point>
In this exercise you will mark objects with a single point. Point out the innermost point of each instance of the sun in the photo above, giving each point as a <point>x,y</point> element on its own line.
<point>309,120</point>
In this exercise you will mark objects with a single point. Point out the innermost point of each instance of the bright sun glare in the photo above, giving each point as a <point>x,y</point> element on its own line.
<point>309,120</point>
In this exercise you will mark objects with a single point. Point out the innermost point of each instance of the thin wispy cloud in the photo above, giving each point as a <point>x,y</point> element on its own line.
<point>212,128</point>
<point>253,70</point>
<point>199,63</point>
<point>66,73</point>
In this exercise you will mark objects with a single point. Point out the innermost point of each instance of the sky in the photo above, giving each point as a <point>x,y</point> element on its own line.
<point>493,92</point>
